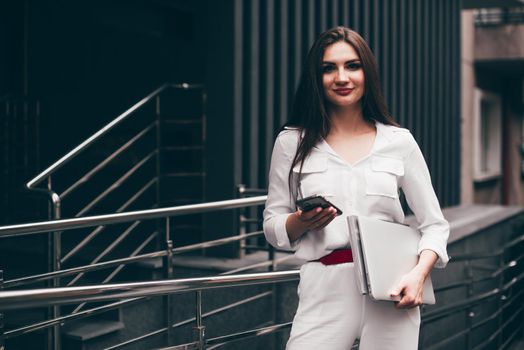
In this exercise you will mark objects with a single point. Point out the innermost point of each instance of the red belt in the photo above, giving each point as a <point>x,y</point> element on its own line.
<point>338,256</point>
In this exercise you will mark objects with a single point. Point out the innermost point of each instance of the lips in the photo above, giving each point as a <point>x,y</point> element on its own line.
<point>343,92</point>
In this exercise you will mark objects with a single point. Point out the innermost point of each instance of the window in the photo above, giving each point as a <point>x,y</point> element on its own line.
<point>487,135</point>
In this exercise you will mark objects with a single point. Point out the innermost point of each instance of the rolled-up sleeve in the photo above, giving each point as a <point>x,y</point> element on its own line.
<point>421,198</point>
<point>279,203</point>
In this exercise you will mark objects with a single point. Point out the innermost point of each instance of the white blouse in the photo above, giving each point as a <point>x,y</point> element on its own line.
<point>369,187</point>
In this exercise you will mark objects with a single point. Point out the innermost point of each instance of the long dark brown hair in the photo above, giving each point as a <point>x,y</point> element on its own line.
<point>309,110</point>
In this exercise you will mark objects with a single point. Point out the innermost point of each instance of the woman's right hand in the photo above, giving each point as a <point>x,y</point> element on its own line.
<point>300,221</point>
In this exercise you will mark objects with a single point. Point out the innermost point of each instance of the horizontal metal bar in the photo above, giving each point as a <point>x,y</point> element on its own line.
<point>493,254</point>
<point>244,190</point>
<point>182,148</point>
<point>97,220</point>
<point>107,160</point>
<point>215,242</point>
<point>225,308</point>
<point>18,299</point>
<point>219,345</point>
<point>120,267</point>
<point>251,221</point>
<point>475,256</point>
<point>108,249</point>
<point>448,339</point>
<point>256,247</point>
<point>99,229</point>
<point>256,265</point>
<point>66,158</point>
<point>190,320</point>
<point>60,320</point>
<point>122,261</point>
<point>484,267</point>
<point>85,268</point>
<point>499,330</point>
<point>249,334</point>
<point>117,183</point>
<point>508,341</point>
<point>233,337</point>
<point>188,346</point>
<point>463,283</point>
<point>471,301</point>
<point>88,238</point>
<point>491,317</point>
<point>137,339</point>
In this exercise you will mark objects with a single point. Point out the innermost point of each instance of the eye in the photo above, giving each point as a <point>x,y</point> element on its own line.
<point>354,66</point>
<point>326,69</point>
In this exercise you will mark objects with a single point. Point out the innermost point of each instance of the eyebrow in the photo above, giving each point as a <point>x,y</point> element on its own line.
<point>350,61</point>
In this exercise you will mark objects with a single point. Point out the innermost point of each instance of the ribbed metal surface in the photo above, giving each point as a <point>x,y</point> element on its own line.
<point>416,43</point>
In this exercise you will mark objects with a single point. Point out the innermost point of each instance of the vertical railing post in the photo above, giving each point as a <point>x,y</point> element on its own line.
<point>159,241</point>
<point>470,313</point>
<point>168,269</point>
<point>241,189</point>
<point>199,330</point>
<point>500,318</point>
<point>422,333</point>
<point>2,343</point>
<point>54,253</point>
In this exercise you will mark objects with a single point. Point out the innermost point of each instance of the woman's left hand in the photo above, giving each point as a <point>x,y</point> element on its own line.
<point>409,289</point>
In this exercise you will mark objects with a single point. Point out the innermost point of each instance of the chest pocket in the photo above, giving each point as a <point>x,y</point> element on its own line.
<point>382,176</point>
<point>315,177</point>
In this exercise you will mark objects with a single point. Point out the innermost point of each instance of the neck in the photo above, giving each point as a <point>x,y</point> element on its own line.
<point>348,121</point>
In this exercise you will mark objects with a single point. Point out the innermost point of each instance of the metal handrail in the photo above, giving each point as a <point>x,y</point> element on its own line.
<point>117,183</point>
<point>99,229</point>
<point>97,310</point>
<point>49,323</point>
<point>19,299</point>
<point>45,297</point>
<point>55,258</point>
<point>189,286</point>
<point>67,157</point>
<point>97,220</point>
<point>128,260</point>
<point>471,301</point>
<point>108,159</point>
<point>190,320</point>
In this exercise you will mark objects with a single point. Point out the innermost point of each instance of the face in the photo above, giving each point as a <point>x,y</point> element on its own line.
<point>342,75</point>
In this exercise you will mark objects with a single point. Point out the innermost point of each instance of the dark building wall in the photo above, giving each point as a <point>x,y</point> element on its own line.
<point>417,47</point>
<point>90,61</point>
<point>85,63</point>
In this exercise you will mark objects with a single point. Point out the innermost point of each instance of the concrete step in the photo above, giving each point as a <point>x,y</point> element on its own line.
<point>86,330</point>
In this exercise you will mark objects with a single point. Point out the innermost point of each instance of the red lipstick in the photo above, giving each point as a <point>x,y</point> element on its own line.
<point>343,91</point>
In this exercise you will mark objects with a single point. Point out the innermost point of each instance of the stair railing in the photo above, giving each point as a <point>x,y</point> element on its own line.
<point>64,225</point>
<point>56,257</point>
<point>510,292</point>
<point>509,275</point>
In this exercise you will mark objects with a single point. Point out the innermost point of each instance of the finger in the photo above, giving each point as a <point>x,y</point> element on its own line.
<point>398,290</point>
<point>317,214</point>
<point>326,213</point>
<point>311,214</point>
<point>395,292</point>
<point>323,221</point>
<point>406,302</point>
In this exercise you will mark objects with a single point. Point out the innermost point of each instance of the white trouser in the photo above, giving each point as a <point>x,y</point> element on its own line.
<point>332,313</point>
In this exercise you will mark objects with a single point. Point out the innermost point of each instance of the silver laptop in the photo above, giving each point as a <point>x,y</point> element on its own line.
<point>383,252</point>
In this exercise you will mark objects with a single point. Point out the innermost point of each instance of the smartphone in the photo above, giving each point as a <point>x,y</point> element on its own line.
<point>315,201</point>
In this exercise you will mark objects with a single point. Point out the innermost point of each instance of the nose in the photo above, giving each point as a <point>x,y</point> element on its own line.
<point>341,76</point>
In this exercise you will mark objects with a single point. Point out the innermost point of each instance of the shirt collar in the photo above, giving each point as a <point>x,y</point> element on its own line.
<point>383,137</point>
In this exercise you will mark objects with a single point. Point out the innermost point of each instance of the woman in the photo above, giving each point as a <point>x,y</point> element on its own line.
<point>342,143</point>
